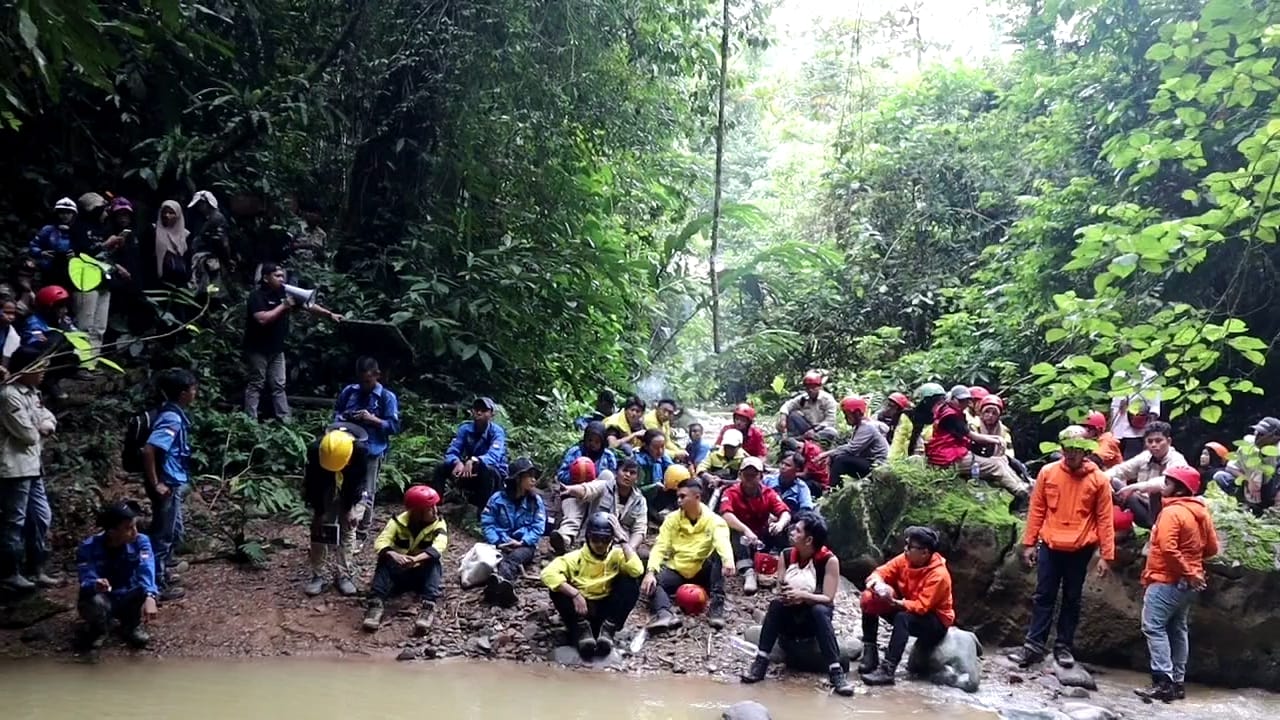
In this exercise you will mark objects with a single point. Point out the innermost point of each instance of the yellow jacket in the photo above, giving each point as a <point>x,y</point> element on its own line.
<point>592,576</point>
<point>1004,433</point>
<point>901,436</point>
<point>684,546</point>
<point>397,536</point>
<point>618,421</point>
<point>716,462</point>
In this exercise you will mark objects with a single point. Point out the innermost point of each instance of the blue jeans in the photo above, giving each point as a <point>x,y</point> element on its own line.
<point>1057,569</point>
<point>25,517</point>
<point>166,530</point>
<point>1164,621</point>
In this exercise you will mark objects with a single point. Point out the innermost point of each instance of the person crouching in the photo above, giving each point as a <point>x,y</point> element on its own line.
<point>334,489</point>
<point>409,550</point>
<point>117,578</point>
<point>595,588</point>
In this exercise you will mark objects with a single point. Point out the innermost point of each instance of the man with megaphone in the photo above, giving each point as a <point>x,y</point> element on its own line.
<point>266,329</point>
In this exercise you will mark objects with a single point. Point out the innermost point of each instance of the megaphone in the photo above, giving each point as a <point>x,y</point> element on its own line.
<point>302,296</point>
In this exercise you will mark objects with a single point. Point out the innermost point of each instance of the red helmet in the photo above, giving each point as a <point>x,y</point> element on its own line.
<point>1188,476</point>
<point>994,401</point>
<point>51,295</point>
<point>979,393</point>
<point>765,563</point>
<point>745,411</point>
<point>900,400</point>
<point>873,604</point>
<point>691,599</point>
<point>421,497</point>
<point>1096,420</point>
<point>854,403</point>
<point>813,378</point>
<point>582,470</point>
<point>1122,518</point>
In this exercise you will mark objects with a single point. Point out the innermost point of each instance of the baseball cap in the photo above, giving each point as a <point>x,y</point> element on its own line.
<point>203,195</point>
<point>961,392</point>
<point>1267,426</point>
<point>732,437</point>
<point>484,403</point>
<point>752,462</point>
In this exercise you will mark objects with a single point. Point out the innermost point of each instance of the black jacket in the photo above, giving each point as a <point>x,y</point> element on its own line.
<point>318,483</point>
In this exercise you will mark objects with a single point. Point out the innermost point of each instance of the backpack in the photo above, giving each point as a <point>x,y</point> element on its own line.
<point>136,433</point>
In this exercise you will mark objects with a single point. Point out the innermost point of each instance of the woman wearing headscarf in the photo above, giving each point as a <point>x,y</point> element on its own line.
<point>171,246</point>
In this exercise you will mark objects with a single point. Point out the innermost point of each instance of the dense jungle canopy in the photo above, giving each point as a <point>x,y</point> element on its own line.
<point>1033,195</point>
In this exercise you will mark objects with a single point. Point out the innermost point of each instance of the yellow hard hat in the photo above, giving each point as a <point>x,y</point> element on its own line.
<point>335,450</point>
<point>675,475</point>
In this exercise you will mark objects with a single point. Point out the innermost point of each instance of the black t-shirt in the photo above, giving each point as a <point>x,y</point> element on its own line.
<point>265,339</point>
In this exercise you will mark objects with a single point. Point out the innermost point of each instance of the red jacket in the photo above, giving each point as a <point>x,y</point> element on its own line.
<point>818,470</point>
<point>944,449</point>
<point>754,511</point>
<point>752,441</point>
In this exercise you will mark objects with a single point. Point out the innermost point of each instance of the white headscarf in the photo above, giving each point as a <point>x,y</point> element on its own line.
<point>170,239</point>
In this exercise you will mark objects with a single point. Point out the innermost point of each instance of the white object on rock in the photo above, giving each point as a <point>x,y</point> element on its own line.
<point>478,564</point>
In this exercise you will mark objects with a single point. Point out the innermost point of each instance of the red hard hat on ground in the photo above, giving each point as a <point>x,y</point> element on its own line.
<point>1188,476</point>
<point>900,400</point>
<point>582,470</point>
<point>766,563</point>
<point>691,598</point>
<point>873,604</point>
<point>979,393</point>
<point>813,377</point>
<point>745,411</point>
<point>50,296</point>
<point>421,497</point>
<point>1123,519</point>
<point>1096,420</point>
<point>854,403</point>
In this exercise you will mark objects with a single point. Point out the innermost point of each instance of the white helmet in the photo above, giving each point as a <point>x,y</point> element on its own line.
<point>65,203</point>
<point>732,437</point>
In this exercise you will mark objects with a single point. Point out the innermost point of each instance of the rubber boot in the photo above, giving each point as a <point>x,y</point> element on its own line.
<point>136,637</point>
<point>425,618</point>
<point>605,641</point>
<point>1161,689</point>
<point>870,658</point>
<point>373,616</point>
<point>586,643</point>
<point>715,613</point>
<point>666,620</point>
<point>750,584</point>
<point>758,670</point>
<point>840,681</point>
<point>883,675</point>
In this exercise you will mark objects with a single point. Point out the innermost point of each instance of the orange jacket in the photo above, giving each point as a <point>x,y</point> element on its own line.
<point>1072,511</point>
<point>1183,538</point>
<point>1109,451</point>
<point>923,590</point>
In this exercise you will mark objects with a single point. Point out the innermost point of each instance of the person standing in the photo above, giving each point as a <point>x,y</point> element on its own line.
<point>52,245</point>
<point>477,457</point>
<point>810,411</point>
<point>24,425</point>
<point>164,467</point>
<point>333,488</point>
<point>214,235</point>
<point>117,574</point>
<point>100,233</point>
<point>170,251</point>
<point>1070,519</point>
<point>375,409</point>
<point>1182,539</point>
<point>266,329</point>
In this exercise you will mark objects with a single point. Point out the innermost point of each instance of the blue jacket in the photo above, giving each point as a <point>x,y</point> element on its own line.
<point>52,239</point>
<point>797,497</point>
<point>171,434</point>
<point>504,520</point>
<point>606,461</point>
<point>382,403</point>
<point>490,446</point>
<point>36,324</point>
<point>130,567</point>
<point>652,471</point>
<point>698,451</point>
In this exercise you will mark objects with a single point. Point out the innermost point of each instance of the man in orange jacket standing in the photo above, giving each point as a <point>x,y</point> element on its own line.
<point>916,586</point>
<point>1182,539</point>
<point>1070,518</point>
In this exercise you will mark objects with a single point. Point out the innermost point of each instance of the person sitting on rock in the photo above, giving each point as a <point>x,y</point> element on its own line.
<point>1108,454</point>
<point>605,406</point>
<point>409,551</point>
<point>811,582</point>
<point>117,578</point>
<point>513,521</point>
<point>1182,539</point>
<point>865,449</point>
<point>810,411</point>
<point>659,418</point>
<point>973,409</point>
<point>989,422</point>
<point>617,498</point>
<point>477,457</point>
<point>894,416</point>
<point>1214,458</point>
<point>788,484</point>
<point>917,585</point>
<point>951,447</point>
<point>697,448</point>
<point>928,397</point>
<point>625,428</point>
<point>722,465</point>
<point>593,446</point>
<point>817,465</point>
<point>334,488</point>
<point>757,520</point>
<point>1070,519</point>
<point>692,547</point>
<point>595,587</point>
<point>1251,476</point>
<point>1136,482</point>
<point>744,419</point>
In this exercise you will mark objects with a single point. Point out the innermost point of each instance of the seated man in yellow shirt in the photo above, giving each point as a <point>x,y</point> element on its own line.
<point>721,467</point>
<point>659,418</point>
<point>595,587</point>
<point>692,547</point>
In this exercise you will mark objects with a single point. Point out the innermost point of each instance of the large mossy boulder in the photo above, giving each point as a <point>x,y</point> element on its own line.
<point>1235,640</point>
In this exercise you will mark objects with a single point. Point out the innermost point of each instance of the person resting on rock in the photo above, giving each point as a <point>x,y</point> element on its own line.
<point>721,467</point>
<point>117,579</point>
<point>1136,482</point>
<point>787,483</point>
<point>477,457</point>
<point>744,419</point>
<point>1108,454</point>
<point>1183,538</point>
<point>811,581</point>
<point>893,415</point>
<point>335,490</point>
<point>652,460</point>
<point>617,498</point>
<point>593,446</point>
<point>625,428</point>
<point>757,520</point>
<point>865,449</point>
<point>513,521</point>
<point>810,411</point>
<point>951,444</point>
<point>595,587</point>
<point>692,547</point>
<point>817,465</point>
<point>928,397</point>
<point>1070,519</point>
<point>1251,475</point>
<point>409,552</point>
<point>918,586</point>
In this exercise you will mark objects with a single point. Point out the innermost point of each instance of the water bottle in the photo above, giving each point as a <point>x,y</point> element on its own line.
<point>973,469</point>
<point>743,646</point>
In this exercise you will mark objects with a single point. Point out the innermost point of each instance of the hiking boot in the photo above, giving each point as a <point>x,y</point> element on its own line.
<point>172,578</point>
<point>136,637</point>
<point>17,583</point>
<point>1063,657</point>
<point>715,613</point>
<point>45,580</point>
<point>605,641</point>
<point>346,588</point>
<point>840,681</point>
<point>870,659</point>
<point>883,675</point>
<point>1179,691</point>
<point>177,566</point>
<point>1025,656</point>
<point>749,582</point>
<point>500,591</point>
<point>757,672</point>
<point>585,642</point>
<point>425,617</point>
<point>559,545</point>
<point>1161,689</point>
<point>314,586</point>
<point>372,616</point>
<point>172,593</point>
<point>666,620</point>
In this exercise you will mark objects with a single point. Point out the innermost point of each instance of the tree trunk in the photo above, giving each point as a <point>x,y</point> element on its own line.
<point>715,205</point>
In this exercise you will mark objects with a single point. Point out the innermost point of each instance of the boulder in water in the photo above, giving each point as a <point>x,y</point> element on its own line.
<point>749,710</point>
<point>1086,711</point>
<point>568,655</point>
<point>803,654</point>
<point>1074,677</point>
<point>954,662</point>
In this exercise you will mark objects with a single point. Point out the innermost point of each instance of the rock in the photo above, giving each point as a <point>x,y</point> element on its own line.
<point>749,710</point>
<point>408,654</point>
<point>1049,682</point>
<point>1032,714</point>
<point>28,610</point>
<point>34,635</point>
<point>804,655</point>
<point>954,662</point>
<point>568,655</point>
<point>1077,693</point>
<point>1074,677</point>
<point>482,644</point>
<point>1085,711</point>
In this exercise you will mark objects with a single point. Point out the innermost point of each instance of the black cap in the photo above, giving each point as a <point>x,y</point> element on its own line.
<point>1267,426</point>
<point>112,515</point>
<point>484,403</point>
<point>521,466</point>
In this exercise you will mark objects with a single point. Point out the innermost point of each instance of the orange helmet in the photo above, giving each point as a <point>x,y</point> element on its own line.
<point>854,403</point>
<point>979,393</point>
<point>900,400</point>
<point>1218,449</point>
<point>745,411</point>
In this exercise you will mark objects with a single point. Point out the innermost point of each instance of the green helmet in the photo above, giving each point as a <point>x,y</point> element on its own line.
<point>930,390</point>
<point>1075,436</point>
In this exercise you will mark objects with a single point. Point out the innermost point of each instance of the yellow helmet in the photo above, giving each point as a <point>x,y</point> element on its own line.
<point>675,475</point>
<point>335,450</point>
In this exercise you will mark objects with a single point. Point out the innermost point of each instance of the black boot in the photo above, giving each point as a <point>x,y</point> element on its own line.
<point>715,613</point>
<point>759,668</point>
<point>604,642</point>
<point>1026,656</point>
<point>883,674</point>
<point>870,658</point>
<point>840,681</point>
<point>1180,691</point>
<point>1161,689</point>
<point>585,641</point>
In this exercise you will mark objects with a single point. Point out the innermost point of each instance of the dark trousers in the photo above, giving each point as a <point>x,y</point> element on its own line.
<point>798,424</point>
<point>390,579</point>
<point>166,530</point>
<point>928,629</point>
<point>1130,447</point>
<point>614,607</point>
<point>800,621</point>
<point>98,609</point>
<point>745,557</point>
<point>708,576</point>
<point>477,488</point>
<point>513,562</point>
<point>372,471</point>
<point>1056,569</point>
<point>850,465</point>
